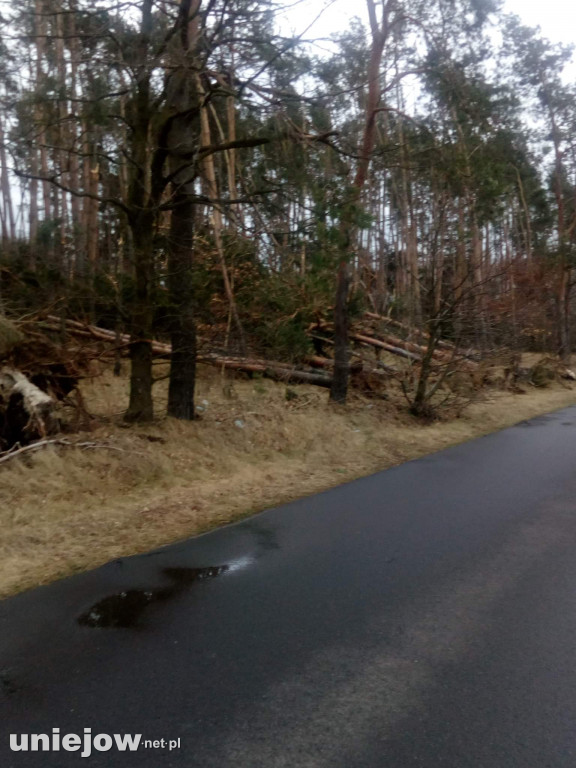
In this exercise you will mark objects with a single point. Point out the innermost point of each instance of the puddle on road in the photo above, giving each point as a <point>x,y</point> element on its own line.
<point>125,609</point>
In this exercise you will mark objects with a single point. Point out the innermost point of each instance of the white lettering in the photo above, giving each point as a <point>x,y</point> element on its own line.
<point>103,742</point>
<point>127,742</point>
<point>71,742</point>
<point>23,746</point>
<point>35,740</point>
<point>87,743</point>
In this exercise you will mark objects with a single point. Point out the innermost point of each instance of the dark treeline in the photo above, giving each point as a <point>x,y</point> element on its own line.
<point>175,166</point>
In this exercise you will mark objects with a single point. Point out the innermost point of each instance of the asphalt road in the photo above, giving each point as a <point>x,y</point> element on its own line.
<point>423,616</point>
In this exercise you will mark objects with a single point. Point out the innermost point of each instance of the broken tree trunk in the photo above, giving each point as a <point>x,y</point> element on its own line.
<point>383,345</point>
<point>409,329</point>
<point>393,344</point>
<point>84,330</point>
<point>276,371</point>
<point>315,361</point>
<point>26,412</point>
<point>409,346</point>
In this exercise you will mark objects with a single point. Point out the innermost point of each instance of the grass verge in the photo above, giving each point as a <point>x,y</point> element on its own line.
<point>254,447</point>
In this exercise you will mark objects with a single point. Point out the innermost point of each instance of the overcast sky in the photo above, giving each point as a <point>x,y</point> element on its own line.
<point>557,18</point>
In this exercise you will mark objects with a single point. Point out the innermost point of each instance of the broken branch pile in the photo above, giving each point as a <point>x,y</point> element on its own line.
<point>374,333</point>
<point>369,334</point>
<point>36,374</point>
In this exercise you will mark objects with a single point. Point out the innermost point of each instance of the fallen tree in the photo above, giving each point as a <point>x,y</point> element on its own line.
<point>36,375</point>
<point>392,344</point>
<point>87,331</point>
<point>280,371</point>
<point>440,345</point>
<point>440,358</point>
<point>26,412</point>
<point>271,370</point>
<point>394,350</point>
<point>411,330</point>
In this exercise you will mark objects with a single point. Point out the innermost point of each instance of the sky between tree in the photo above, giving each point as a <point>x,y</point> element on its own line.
<point>557,18</point>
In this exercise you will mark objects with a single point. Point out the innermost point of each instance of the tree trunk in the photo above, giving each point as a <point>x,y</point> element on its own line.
<point>564,313</point>
<point>6,193</point>
<point>141,407</point>
<point>40,29</point>
<point>183,328</point>
<point>142,219</point>
<point>339,388</point>
<point>211,187</point>
<point>79,261</point>
<point>563,298</point>
<point>184,98</point>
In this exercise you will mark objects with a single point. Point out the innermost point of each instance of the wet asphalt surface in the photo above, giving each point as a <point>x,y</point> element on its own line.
<point>423,616</point>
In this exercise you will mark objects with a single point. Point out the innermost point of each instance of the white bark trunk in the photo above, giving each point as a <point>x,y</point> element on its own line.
<point>37,405</point>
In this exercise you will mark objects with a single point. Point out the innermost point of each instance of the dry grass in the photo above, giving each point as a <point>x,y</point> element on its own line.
<point>66,511</point>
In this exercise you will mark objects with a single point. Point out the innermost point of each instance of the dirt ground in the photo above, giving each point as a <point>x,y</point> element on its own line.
<point>256,444</point>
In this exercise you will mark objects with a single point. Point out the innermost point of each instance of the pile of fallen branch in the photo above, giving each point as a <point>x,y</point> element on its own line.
<point>365,333</point>
<point>79,330</point>
<point>373,332</point>
<point>43,359</point>
<point>36,376</point>
<point>119,342</point>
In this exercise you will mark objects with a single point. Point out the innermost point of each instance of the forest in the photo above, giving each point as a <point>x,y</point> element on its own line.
<point>287,384</point>
<point>183,181</point>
